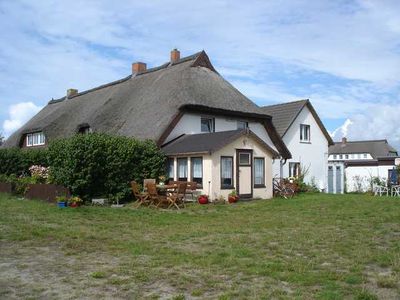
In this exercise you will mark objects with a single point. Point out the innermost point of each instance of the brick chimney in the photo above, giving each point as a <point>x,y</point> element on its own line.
<point>175,55</point>
<point>138,67</point>
<point>344,140</point>
<point>71,92</point>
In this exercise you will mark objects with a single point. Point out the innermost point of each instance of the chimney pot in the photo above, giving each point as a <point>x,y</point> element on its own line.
<point>175,55</point>
<point>344,140</point>
<point>71,92</point>
<point>138,67</point>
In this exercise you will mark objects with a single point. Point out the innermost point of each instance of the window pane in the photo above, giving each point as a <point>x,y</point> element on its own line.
<point>35,139</point>
<point>242,125</point>
<point>182,169</point>
<point>197,169</point>
<point>207,125</point>
<point>244,158</point>
<point>30,140</point>
<point>226,172</point>
<point>259,171</point>
<point>171,168</point>
<point>294,169</point>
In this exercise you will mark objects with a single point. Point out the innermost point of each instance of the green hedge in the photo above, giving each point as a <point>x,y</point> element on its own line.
<point>102,165</point>
<point>18,161</point>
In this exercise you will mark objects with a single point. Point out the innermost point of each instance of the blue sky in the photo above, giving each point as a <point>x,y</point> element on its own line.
<point>342,55</point>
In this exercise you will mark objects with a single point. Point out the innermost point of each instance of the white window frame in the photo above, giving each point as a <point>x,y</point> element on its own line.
<point>211,124</point>
<point>35,139</point>
<point>242,124</point>
<point>305,131</point>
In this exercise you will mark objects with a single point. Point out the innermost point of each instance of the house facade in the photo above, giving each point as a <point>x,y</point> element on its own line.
<point>211,133</point>
<point>352,165</point>
<point>307,140</point>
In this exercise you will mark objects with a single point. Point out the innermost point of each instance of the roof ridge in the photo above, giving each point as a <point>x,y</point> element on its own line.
<point>364,141</point>
<point>285,103</point>
<point>160,67</point>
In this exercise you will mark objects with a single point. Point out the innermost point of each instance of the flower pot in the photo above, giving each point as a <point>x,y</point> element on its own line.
<point>74,204</point>
<point>62,204</point>
<point>233,199</point>
<point>203,199</point>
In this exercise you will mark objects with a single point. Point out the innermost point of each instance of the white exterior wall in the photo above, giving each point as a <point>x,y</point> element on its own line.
<point>230,150</point>
<point>212,169</point>
<point>362,175</point>
<point>190,123</point>
<point>313,154</point>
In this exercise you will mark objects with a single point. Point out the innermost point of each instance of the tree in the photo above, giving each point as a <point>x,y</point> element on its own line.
<point>1,139</point>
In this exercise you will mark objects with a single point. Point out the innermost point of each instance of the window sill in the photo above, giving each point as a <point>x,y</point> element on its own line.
<point>259,186</point>
<point>227,187</point>
<point>305,142</point>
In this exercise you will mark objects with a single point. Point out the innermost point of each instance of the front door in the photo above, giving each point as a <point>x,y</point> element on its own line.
<point>244,173</point>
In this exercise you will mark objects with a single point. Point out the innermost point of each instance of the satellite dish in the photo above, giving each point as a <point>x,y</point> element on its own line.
<point>397,161</point>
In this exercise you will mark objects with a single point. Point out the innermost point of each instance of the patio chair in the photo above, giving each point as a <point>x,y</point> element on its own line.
<point>380,190</point>
<point>147,181</point>
<point>191,188</point>
<point>395,191</point>
<point>142,198</point>
<point>155,198</point>
<point>177,198</point>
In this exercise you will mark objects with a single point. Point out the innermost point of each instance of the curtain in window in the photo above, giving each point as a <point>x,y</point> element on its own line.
<point>226,171</point>
<point>171,168</point>
<point>197,167</point>
<point>182,168</point>
<point>258,171</point>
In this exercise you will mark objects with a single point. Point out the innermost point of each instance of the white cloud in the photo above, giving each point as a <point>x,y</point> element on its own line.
<point>343,55</point>
<point>343,130</point>
<point>18,114</point>
<point>379,122</point>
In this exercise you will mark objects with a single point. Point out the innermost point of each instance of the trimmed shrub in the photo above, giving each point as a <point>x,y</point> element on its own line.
<point>17,162</point>
<point>102,165</point>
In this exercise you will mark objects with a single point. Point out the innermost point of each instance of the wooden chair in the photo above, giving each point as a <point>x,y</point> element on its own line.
<point>177,198</point>
<point>147,181</point>
<point>191,188</point>
<point>142,198</point>
<point>155,198</point>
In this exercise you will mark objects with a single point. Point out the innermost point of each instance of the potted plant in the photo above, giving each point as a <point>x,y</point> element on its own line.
<point>202,199</point>
<point>233,197</point>
<point>75,201</point>
<point>161,179</point>
<point>62,201</point>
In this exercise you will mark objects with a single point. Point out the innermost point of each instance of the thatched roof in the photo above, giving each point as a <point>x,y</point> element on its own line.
<point>142,105</point>
<point>284,114</point>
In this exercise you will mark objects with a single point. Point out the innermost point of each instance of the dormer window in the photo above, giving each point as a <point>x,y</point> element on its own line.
<point>84,129</point>
<point>35,139</point>
<point>242,125</point>
<point>207,125</point>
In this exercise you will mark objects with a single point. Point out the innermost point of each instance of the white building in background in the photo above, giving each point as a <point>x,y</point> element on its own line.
<point>305,136</point>
<point>352,165</point>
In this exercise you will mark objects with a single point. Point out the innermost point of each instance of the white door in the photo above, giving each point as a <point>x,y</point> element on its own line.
<point>244,171</point>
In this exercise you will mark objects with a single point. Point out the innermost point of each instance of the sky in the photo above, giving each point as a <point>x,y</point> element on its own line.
<point>342,55</point>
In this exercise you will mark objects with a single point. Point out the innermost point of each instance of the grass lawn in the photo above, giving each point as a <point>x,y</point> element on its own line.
<point>311,247</point>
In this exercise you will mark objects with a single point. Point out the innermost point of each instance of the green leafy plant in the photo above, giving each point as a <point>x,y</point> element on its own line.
<point>100,164</point>
<point>18,161</point>
<point>61,198</point>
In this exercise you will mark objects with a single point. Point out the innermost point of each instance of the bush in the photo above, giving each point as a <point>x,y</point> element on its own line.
<point>102,165</point>
<point>18,161</point>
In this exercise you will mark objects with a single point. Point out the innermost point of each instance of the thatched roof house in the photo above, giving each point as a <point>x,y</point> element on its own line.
<point>142,105</point>
<point>183,105</point>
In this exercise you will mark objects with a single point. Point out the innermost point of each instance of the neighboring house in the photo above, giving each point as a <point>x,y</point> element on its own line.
<point>211,132</point>
<point>302,131</point>
<point>352,165</point>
